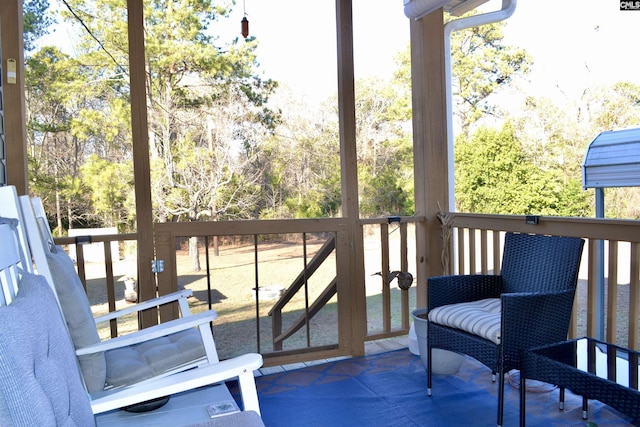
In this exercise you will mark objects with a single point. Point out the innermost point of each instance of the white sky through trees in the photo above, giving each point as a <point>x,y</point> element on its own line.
<point>574,44</point>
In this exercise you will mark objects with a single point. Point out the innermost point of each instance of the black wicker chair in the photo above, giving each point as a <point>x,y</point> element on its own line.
<point>536,288</point>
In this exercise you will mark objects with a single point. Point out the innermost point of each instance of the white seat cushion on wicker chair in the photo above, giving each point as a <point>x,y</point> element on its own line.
<point>480,317</point>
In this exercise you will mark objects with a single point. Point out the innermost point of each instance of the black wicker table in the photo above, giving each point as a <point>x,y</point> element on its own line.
<point>590,368</point>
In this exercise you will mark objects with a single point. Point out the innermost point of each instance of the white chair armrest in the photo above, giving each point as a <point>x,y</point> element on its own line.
<point>240,367</point>
<point>154,302</point>
<point>152,332</point>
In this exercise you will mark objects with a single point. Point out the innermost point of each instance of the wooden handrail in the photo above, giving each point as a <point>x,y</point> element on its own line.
<point>326,295</point>
<point>276,311</point>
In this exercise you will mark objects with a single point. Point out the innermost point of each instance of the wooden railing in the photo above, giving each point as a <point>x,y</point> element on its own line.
<point>110,277</point>
<point>607,305</point>
<point>311,309</point>
<point>395,253</point>
<point>392,249</point>
<point>289,317</point>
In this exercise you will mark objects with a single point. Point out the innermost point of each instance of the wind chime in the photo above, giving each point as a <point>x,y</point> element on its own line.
<point>244,24</point>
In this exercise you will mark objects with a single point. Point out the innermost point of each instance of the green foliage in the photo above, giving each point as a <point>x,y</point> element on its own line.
<point>481,65</point>
<point>556,137</point>
<point>308,207</point>
<point>50,78</point>
<point>36,21</point>
<point>385,152</point>
<point>383,195</point>
<point>110,188</point>
<point>80,108</point>
<point>104,131</point>
<point>402,108</point>
<point>495,175</point>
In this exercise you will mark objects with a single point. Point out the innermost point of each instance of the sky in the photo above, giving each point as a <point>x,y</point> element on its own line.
<point>574,44</point>
<point>297,41</point>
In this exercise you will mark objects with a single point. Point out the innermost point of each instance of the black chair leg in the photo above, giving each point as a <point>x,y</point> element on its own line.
<point>429,375</point>
<point>500,396</point>
<point>523,400</point>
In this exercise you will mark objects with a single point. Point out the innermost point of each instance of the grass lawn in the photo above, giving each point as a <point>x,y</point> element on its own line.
<point>244,325</point>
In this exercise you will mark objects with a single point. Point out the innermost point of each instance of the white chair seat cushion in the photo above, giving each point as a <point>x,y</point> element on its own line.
<point>40,383</point>
<point>480,318</point>
<point>138,362</point>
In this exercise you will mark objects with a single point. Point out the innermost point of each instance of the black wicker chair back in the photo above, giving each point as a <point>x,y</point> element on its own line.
<point>533,262</point>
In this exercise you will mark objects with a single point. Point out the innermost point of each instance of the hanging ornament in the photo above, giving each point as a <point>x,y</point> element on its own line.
<point>244,24</point>
<point>245,27</point>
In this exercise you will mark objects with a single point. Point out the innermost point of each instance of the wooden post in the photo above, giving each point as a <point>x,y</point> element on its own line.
<point>15,132</point>
<point>351,289</point>
<point>141,163</point>
<point>429,143</point>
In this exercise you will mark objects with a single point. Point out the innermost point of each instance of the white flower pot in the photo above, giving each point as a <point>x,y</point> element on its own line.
<point>130,290</point>
<point>444,361</point>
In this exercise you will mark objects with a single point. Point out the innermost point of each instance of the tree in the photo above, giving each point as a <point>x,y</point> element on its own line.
<point>36,21</point>
<point>193,79</point>
<point>110,187</point>
<point>52,79</point>
<point>557,137</point>
<point>612,107</point>
<point>385,160</point>
<point>494,174</point>
<point>190,79</point>
<point>301,164</point>
<point>482,65</point>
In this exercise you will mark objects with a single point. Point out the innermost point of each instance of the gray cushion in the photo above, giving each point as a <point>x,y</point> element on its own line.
<point>40,383</point>
<point>480,318</point>
<point>77,312</point>
<point>122,366</point>
<point>135,363</point>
